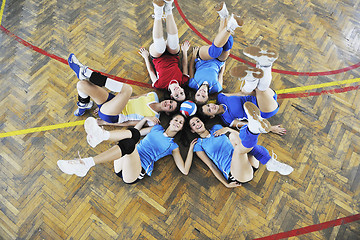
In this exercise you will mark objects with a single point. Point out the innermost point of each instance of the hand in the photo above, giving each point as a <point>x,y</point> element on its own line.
<point>233,185</point>
<point>195,51</point>
<point>144,53</point>
<point>220,131</point>
<point>155,120</point>
<point>278,130</point>
<point>192,144</point>
<point>185,46</point>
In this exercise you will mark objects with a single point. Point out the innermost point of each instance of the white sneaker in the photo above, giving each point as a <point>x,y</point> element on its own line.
<point>273,165</point>
<point>249,75</point>
<point>222,10</point>
<point>233,23</point>
<point>95,134</point>
<point>256,123</point>
<point>76,166</point>
<point>264,58</point>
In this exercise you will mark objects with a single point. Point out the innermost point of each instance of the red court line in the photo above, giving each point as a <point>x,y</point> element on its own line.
<point>141,84</point>
<point>62,60</point>
<point>310,94</point>
<point>312,228</point>
<point>252,64</point>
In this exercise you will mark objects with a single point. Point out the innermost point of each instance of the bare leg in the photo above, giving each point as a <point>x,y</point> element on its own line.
<point>240,167</point>
<point>98,94</point>
<point>130,165</point>
<point>265,100</point>
<point>117,104</point>
<point>172,39</point>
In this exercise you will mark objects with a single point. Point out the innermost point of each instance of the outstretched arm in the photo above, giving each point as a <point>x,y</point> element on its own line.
<point>145,54</point>
<point>184,167</point>
<point>202,155</point>
<point>221,75</point>
<point>192,62</point>
<point>184,48</point>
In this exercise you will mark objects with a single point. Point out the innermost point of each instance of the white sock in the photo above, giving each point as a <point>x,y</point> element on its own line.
<point>89,162</point>
<point>106,135</point>
<point>88,72</point>
<point>158,11</point>
<point>113,85</point>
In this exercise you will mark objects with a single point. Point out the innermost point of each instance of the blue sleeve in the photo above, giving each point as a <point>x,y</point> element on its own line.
<point>198,147</point>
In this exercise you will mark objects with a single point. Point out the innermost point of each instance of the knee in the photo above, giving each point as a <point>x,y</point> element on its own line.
<point>215,51</point>
<point>127,146</point>
<point>82,85</point>
<point>127,89</point>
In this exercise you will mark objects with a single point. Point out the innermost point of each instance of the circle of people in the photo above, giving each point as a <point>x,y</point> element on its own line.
<point>231,153</point>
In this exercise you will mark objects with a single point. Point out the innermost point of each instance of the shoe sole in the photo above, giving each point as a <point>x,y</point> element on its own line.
<point>239,21</point>
<point>218,7</point>
<point>159,3</point>
<point>240,72</point>
<point>256,52</point>
<point>91,129</point>
<point>254,112</point>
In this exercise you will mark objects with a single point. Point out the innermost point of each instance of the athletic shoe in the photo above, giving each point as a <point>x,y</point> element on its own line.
<point>233,23</point>
<point>273,165</point>
<point>78,68</point>
<point>76,166</point>
<point>256,123</point>
<point>264,58</point>
<point>159,3</point>
<point>82,108</point>
<point>222,10</point>
<point>249,75</point>
<point>95,134</point>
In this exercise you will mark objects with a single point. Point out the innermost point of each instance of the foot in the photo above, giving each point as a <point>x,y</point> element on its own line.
<point>95,134</point>
<point>233,23</point>
<point>76,166</point>
<point>256,123</point>
<point>168,7</point>
<point>82,107</point>
<point>159,3</point>
<point>78,68</point>
<point>249,75</point>
<point>264,58</point>
<point>273,165</point>
<point>222,10</point>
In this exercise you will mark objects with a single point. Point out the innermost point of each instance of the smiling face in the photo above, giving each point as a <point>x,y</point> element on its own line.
<point>177,123</point>
<point>168,106</point>
<point>210,109</point>
<point>196,125</point>
<point>177,93</point>
<point>201,95</point>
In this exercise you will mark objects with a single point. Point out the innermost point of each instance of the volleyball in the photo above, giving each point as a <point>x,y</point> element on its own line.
<point>188,108</point>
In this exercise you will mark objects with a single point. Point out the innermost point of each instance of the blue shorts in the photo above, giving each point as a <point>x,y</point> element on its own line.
<point>108,118</point>
<point>248,139</point>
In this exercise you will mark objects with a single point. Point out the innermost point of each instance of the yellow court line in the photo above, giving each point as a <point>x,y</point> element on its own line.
<point>321,85</point>
<point>41,129</point>
<point>2,10</point>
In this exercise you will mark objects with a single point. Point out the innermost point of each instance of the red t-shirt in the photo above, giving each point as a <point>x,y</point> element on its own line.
<point>167,69</point>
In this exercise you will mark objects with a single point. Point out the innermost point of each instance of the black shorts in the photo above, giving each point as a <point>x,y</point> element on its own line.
<point>232,179</point>
<point>141,176</point>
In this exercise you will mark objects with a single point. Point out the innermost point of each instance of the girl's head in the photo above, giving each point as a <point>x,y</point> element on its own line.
<point>176,123</point>
<point>209,110</point>
<point>202,94</point>
<point>176,91</point>
<point>196,125</point>
<point>169,106</point>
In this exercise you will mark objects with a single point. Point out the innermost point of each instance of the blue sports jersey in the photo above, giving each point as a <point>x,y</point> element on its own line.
<point>207,70</point>
<point>218,149</point>
<point>153,147</point>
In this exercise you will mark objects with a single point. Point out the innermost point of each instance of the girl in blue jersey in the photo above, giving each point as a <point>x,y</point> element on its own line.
<point>227,152</point>
<point>131,160</point>
<point>256,89</point>
<point>207,64</point>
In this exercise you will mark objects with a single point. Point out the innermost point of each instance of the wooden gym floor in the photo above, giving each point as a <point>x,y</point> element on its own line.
<point>318,43</point>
